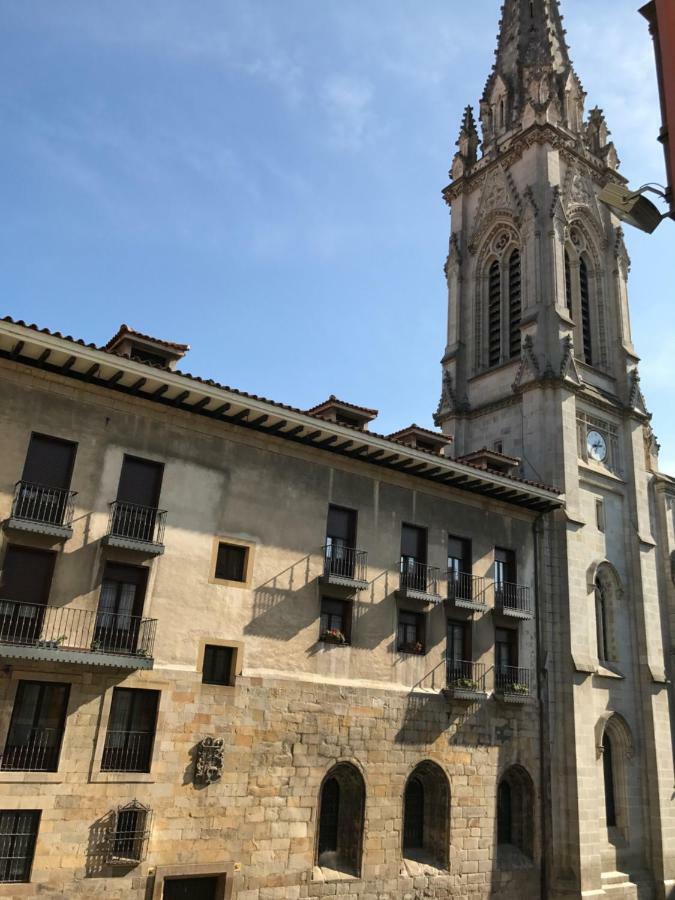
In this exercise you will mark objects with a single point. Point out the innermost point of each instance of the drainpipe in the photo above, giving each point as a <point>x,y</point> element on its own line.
<point>543,781</point>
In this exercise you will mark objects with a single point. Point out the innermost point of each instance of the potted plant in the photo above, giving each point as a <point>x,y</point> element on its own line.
<point>466,684</point>
<point>53,643</point>
<point>333,636</point>
<point>519,688</point>
<point>413,647</point>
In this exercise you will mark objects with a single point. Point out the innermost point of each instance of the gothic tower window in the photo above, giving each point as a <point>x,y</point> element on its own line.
<point>601,619</point>
<point>608,773</point>
<point>568,285</point>
<point>585,295</point>
<point>515,304</point>
<point>621,790</point>
<point>607,607</point>
<point>494,315</point>
<point>426,815</point>
<point>341,810</point>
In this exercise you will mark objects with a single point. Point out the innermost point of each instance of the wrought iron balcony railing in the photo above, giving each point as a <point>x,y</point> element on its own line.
<point>513,682</point>
<point>32,750</point>
<point>39,504</point>
<point>467,590</point>
<point>465,677</point>
<point>419,579</point>
<point>136,524</point>
<point>127,751</point>
<point>344,565</point>
<point>513,600</point>
<point>51,628</point>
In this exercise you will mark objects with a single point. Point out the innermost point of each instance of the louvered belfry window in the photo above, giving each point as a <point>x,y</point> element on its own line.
<point>584,288</point>
<point>568,285</point>
<point>494,315</point>
<point>515,304</point>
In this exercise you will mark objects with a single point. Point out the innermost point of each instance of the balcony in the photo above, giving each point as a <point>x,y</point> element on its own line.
<point>62,634</point>
<point>467,591</point>
<point>42,510</point>
<point>345,567</point>
<point>514,685</point>
<point>127,751</point>
<point>134,527</point>
<point>466,680</point>
<point>418,581</point>
<point>513,600</point>
<point>32,750</point>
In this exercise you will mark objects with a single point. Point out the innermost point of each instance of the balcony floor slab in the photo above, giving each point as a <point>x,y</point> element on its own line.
<point>62,532</point>
<point>95,658</point>
<point>124,543</point>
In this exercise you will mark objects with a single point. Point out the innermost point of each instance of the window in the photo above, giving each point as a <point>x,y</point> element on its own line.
<point>24,589</point>
<point>231,562</point>
<point>505,568</point>
<point>600,515</point>
<point>608,773</point>
<point>506,650</point>
<point>426,814</point>
<point>131,731</point>
<point>18,834</point>
<point>218,665</point>
<point>146,356</point>
<point>568,286</point>
<point>129,834</point>
<point>410,638</point>
<point>335,627</point>
<point>44,492</point>
<point>459,649</point>
<point>120,606</point>
<point>515,816</point>
<point>414,557</point>
<point>494,315</point>
<point>341,541</point>
<point>36,729</point>
<point>341,808</point>
<point>460,564</point>
<point>601,620</point>
<point>135,511</point>
<point>515,305</point>
<point>584,290</point>
<point>208,887</point>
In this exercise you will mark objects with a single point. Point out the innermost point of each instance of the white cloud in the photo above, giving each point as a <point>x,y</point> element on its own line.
<point>347,102</point>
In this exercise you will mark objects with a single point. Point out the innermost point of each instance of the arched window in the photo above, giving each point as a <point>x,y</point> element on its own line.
<point>515,815</point>
<point>426,816</point>
<point>515,304</point>
<point>502,113</point>
<point>341,809</point>
<point>608,771</point>
<point>494,315</point>
<point>568,285</point>
<point>601,619</point>
<point>584,290</point>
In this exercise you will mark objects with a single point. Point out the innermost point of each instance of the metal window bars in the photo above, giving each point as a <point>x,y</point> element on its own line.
<point>127,751</point>
<point>64,628</point>
<point>144,524</point>
<point>32,750</point>
<point>417,576</point>
<point>129,834</point>
<point>344,562</point>
<point>18,833</point>
<point>513,598</point>
<point>467,588</point>
<point>466,675</point>
<point>514,681</point>
<point>40,503</point>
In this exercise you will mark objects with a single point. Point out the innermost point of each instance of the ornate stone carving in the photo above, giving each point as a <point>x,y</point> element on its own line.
<point>448,404</point>
<point>209,762</point>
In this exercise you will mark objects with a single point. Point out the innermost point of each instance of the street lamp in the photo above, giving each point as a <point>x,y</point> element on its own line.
<point>632,207</point>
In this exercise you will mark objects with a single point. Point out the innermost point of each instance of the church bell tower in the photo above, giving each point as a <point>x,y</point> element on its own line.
<point>539,364</point>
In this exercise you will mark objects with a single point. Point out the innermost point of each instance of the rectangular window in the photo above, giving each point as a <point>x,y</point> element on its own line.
<point>135,511</point>
<point>18,834</point>
<point>600,514</point>
<point>231,562</point>
<point>506,649</point>
<point>218,665</point>
<point>505,568</point>
<point>49,462</point>
<point>459,649</point>
<point>341,541</point>
<point>36,729</point>
<point>120,607</point>
<point>129,841</point>
<point>460,565</point>
<point>26,582</point>
<point>336,617</point>
<point>414,543</point>
<point>410,638</point>
<point>131,731</point>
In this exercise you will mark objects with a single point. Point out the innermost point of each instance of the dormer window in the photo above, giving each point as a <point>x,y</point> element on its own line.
<point>421,439</point>
<point>342,413</point>
<point>146,349</point>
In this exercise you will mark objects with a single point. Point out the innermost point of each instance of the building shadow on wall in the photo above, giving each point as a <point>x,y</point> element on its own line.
<point>282,606</point>
<point>98,850</point>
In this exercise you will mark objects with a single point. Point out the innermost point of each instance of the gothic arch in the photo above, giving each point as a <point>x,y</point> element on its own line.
<point>426,815</point>
<point>340,822</point>
<point>495,305</point>
<point>515,815</point>
<point>584,271</point>
<point>607,588</point>
<point>615,751</point>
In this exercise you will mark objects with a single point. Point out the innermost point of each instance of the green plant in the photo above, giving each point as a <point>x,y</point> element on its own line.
<point>519,688</point>
<point>333,636</point>
<point>466,684</point>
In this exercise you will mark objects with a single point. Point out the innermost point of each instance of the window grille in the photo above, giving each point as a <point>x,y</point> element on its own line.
<point>586,312</point>
<point>129,834</point>
<point>494,315</point>
<point>18,833</point>
<point>515,304</point>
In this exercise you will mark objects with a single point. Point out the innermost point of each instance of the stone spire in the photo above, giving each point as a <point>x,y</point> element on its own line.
<point>533,78</point>
<point>468,144</point>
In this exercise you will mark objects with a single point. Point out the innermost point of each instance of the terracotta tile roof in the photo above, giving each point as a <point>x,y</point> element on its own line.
<point>126,330</point>
<point>334,400</point>
<point>438,435</point>
<point>283,406</point>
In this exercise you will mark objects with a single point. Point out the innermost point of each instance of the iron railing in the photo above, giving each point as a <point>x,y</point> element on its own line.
<point>469,588</point>
<point>513,598</point>
<point>136,523</point>
<point>47,505</point>
<point>127,751</point>
<point>18,833</point>
<point>63,628</point>
<point>465,675</point>
<point>514,681</point>
<point>129,834</point>
<point>32,750</point>
<point>417,576</point>
<point>343,562</point>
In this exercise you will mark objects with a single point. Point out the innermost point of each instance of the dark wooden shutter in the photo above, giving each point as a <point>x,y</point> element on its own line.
<point>49,462</point>
<point>140,482</point>
<point>494,315</point>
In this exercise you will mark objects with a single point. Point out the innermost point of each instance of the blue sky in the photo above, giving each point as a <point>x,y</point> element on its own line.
<point>261,179</point>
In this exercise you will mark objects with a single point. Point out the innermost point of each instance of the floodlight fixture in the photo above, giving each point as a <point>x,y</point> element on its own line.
<point>633,207</point>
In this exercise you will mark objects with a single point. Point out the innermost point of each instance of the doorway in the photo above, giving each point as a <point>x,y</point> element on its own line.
<point>204,888</point>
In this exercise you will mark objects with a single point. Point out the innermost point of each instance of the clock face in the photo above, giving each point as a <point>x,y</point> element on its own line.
<point>597,446</point>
